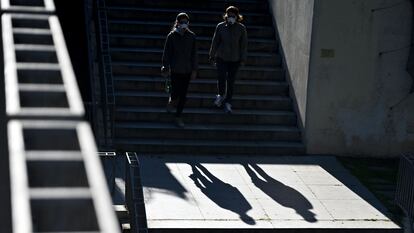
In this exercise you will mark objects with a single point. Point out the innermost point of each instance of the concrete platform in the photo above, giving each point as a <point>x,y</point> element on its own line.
<point>257,194</point>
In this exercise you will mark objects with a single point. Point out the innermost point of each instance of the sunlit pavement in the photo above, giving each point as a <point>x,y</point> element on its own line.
<point>257,192</point>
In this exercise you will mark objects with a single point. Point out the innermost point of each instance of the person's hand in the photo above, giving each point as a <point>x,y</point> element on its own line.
<point>194,74</point>
<point>165,72</point>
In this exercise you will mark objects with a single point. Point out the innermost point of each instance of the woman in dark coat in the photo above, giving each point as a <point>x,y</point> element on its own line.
<point>180,62</point>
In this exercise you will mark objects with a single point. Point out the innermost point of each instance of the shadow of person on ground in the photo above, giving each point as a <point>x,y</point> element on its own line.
<point>156,174</point>
<point>282,194</point>
<point>214,189</point>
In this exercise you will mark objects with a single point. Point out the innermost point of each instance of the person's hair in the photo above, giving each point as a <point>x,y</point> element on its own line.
<point>179,17</point>
<point>234,10</point>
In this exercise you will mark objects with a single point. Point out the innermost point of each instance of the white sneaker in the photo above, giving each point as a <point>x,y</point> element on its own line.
<point>227,108</point>
<point>218,101</point>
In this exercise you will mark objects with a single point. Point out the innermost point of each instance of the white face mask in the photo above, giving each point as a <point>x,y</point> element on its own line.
<point>231,20</point>
<point>183,26</point>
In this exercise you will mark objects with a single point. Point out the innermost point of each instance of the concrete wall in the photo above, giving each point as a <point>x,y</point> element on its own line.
<point>293,21</point>
<point>358,100</point>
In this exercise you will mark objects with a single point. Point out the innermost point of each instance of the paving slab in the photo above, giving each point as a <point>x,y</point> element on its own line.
<point>241,192</point>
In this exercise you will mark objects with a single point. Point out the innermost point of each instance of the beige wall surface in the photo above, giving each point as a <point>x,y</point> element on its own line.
<point>358,98</point>
<point>346,60</point>
<point>293,21</point>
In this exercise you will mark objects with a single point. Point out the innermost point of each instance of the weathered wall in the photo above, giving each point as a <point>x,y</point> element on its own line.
<point>358,100</point>
<point>293,21</point>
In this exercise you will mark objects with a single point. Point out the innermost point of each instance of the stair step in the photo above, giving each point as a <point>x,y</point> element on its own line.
<point>204,127</point>
<point>139,83</point>
<point>204,16</point>
<point>210,147</point>
<point>207,116</point>
<point>205,71</point>
<point>158,27</point>
<point>121,212</point>
<point>243,68</point>
<point>263,121</point>
<point>126,227</point>
<point>204,42</point>
<point>244,6</point>
<point>161,131</point>
<point>155,55</point>
<point>159,99</point>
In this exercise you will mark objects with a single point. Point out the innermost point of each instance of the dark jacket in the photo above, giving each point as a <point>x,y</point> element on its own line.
<point>180,52</point>
<point>229,42</point>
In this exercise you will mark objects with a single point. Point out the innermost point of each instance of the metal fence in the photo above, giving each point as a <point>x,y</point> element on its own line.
<point>404,196</point>
<point>56,178</point>
<point>134,194</point>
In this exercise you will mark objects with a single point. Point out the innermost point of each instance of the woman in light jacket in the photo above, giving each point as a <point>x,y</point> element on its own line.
<point>228,51</point>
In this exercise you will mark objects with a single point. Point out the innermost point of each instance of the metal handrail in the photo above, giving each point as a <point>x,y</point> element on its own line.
<point>134,195</point>
<point>108,92</point>
<point>54,139</point>
<point>404,196</point>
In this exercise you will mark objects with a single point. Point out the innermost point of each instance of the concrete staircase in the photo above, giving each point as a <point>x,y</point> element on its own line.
<point>263,123</point>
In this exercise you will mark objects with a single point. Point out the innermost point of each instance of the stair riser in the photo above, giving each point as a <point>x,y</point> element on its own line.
<point>278,230</point>
<point>202,44</point>
<point>211,73</point>
<point>162,134</point>
<point>125,56</point>
<point>212,5</point>
<point>120,27</point>
<point>259,20</point>
<point>205,103</point>
<point>209,150</point>
<point>198,118</point>
<point>204,88</point>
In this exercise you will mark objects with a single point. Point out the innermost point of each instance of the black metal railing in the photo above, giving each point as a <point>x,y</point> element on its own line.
<point>404,196</point>
<point>102,107</point>
<point>108,93</point>
<point>49,143</point>
<point>134,195</point>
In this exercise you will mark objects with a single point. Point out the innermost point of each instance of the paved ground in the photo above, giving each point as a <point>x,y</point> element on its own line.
<point>259,192</point>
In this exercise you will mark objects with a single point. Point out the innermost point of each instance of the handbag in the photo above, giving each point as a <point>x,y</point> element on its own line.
<point>167,85</point>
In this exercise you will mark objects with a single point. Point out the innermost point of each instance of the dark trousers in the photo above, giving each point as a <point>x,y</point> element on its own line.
<point>226,76</point>
<point>179,88</point>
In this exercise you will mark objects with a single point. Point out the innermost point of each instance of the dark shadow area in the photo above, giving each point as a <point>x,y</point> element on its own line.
<point>212,187</point>
<point>280,193</point>
<point>410,62</point>
<point>72,18</point>
<point>115,169</point>
<point>379,176</point>
<point>150,173</point>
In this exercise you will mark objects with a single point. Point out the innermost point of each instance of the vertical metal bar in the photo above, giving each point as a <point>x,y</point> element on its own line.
<point>109,93</point>
<point>134,194</point>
